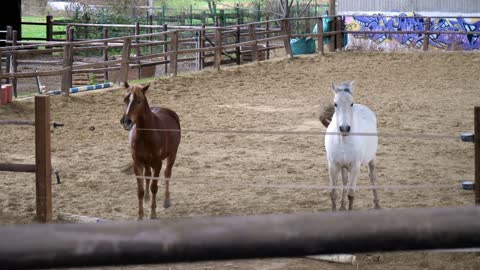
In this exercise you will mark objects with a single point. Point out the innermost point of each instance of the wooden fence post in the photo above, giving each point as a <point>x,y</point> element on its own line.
<point>285,29</point>
<point>174,54</point>
<point>165,47</point>
<point>331,46</point>
<point>105,52</point>
<point>253,37</point>
<point>49,26</point>
<point>14,64</point>
<point>123,76</point>
<point>67,64</point>
<point>338,28</point>
<point>43,161</point>
<point>237,40</point>
<point>477,154</point>
<point>150,31</point>
<point>9,57</point>
<point>267,29</point>
<point>218,48</point>
<point>426,36</point>
<point>202,45</point>
<point>138,49</point>
<point>320,46</point>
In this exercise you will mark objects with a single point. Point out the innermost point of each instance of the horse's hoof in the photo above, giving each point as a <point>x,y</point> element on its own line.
<point>153,216</point>
<point>166,204</point>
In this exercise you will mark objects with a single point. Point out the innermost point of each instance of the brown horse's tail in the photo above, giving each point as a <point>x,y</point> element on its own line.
<point>128,168</point>
<point>326,114</point>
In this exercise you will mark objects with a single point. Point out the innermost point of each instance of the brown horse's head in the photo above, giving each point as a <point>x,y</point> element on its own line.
<point>135,102</point>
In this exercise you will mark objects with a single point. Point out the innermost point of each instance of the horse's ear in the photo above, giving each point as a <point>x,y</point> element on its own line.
<point>334,88</point>
<point>145,88</point>
<point>125,83</point>
<point>351,86</point>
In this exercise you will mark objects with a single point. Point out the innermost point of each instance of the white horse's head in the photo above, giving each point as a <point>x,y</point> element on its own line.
<point>343,103</point>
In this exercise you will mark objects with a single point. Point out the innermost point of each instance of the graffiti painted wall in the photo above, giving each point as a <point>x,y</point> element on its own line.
<point>405,22</point>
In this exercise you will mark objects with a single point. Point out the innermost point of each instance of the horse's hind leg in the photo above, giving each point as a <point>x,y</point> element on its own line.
<point>344,189</point>
<point>333,171</point>
<point>140,190</point>
<point>148,173</point>
<point>354,173</point>
<point>372,174</point>
<point>154,189</point>
<point>168,174</point>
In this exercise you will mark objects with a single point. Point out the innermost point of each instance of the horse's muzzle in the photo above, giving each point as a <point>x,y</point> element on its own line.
<point>126,122</point>
<point>344,129</point>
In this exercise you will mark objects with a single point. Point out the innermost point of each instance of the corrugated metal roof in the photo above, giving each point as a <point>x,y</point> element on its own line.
<point>443,6</point>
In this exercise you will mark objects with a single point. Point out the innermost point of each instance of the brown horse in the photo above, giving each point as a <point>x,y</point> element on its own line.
<point>154,136</point>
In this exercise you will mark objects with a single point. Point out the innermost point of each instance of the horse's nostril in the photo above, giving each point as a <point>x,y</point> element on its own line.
<point>129,122</point>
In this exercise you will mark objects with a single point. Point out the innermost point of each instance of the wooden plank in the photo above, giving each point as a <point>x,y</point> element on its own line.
<point>43,161</point>
<point>6,167</point>
<point>477,154</point>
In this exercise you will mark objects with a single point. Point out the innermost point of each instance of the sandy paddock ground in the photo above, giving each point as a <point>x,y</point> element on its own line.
<point>414,93</point>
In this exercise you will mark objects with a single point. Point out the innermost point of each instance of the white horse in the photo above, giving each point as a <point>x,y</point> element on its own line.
<point>347,152</point>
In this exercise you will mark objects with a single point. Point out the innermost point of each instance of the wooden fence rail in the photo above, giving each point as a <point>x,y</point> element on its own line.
<point>221,238</point>
<point>195,42</point>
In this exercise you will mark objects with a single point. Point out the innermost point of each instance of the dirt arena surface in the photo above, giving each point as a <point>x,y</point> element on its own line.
<point>411,93</point>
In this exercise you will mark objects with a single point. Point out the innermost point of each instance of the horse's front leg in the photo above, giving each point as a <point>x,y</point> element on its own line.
<point>344,189</point>
<point>372,174</point>
<point>138,169</point>
<point>353,175</point>
<point>333,171</point>
<point>147,174</point>
<point>168,174</point>
<point>154,189</point>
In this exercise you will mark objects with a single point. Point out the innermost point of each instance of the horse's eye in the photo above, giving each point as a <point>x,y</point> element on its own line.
<point>335,104</point>
<point>351,105</point>
<point>139,102</point>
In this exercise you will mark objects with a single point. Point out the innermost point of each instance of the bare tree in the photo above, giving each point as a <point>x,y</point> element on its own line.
<point>284,8</point>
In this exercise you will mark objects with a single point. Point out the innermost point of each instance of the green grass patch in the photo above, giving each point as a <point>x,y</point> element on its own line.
<point>39,31</point>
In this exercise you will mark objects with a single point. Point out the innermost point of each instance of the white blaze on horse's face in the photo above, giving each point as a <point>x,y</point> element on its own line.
<point>343,103</point>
